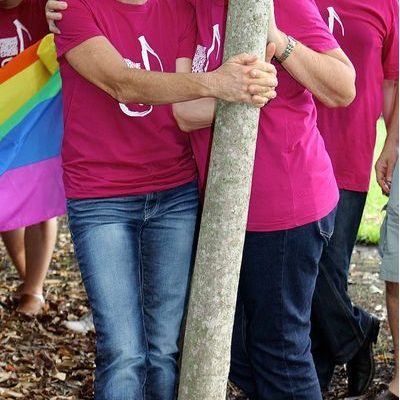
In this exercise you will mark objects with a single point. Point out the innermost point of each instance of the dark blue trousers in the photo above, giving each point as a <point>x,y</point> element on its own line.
<point>338,327</point>
<point>271,347</point>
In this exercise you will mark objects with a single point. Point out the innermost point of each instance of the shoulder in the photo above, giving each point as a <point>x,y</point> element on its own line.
<point>291,14</point>
<point>296,10</point>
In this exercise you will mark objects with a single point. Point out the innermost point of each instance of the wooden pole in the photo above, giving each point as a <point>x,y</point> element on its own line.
<point>206,353</point>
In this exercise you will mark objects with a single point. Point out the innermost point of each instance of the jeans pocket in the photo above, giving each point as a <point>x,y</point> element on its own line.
<point>326,226</point>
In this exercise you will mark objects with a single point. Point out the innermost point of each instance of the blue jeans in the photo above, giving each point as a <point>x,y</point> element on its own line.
<point>271,348</point>
<point>338,327</point>
<point>134,254</point>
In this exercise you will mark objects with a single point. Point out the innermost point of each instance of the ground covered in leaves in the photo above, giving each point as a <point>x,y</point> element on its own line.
<point>41,360</point>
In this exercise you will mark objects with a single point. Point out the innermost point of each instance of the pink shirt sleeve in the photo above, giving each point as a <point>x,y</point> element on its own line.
<point>302,20</point>
<point>77,25</point>
<point>188,31</point>
<point>390,52</point>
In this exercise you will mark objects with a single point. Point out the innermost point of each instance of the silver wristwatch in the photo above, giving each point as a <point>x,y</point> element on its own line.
<point>288,51</point>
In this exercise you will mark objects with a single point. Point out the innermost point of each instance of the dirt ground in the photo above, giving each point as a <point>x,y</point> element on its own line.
<point>41,360</point>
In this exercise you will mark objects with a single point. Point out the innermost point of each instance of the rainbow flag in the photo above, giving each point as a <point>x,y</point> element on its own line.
<point>31,128</point>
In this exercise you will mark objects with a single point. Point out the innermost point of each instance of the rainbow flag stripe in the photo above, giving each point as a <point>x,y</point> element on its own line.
<point>31,128</point>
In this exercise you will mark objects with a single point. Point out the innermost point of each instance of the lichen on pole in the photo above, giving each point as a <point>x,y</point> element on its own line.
<point>206,353</point>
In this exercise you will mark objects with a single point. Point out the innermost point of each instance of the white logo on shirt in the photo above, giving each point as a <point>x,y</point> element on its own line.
<point>147,51</point>
<point>12,46</point>
<point>201,60</point>
<point>334,16</point>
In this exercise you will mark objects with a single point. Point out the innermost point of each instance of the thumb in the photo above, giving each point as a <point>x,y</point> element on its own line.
<point>271,49</point>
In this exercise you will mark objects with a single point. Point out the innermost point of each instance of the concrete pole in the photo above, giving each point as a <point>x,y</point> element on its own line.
<point>206,353</point>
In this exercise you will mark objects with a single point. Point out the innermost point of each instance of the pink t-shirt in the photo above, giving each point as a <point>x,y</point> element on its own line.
<point>367,31</point>
<point>293,181</point>
<point>112,149</point>
<point>20,27</point>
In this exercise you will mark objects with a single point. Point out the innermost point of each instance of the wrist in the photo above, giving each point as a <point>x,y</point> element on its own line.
<point>281,41</point>
<point>206,84</point>
<point>291,44</point>
<point>392,141</point>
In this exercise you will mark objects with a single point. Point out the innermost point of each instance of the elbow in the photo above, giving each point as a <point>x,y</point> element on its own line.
<point>184,123</point>
<point>341,98</point>
<point>348,93</point>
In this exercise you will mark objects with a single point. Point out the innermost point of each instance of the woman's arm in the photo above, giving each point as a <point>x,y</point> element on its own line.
<point>386,162</point>
<point>100,63</point>
<point>329,76</point>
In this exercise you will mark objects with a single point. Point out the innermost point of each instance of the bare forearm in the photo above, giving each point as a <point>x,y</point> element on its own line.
<point>194,115</point>
<point>100,63</point>
<point>148,87</point>
<point>129,85</point>
<point>391,111</point>
<point>329,76</point>
<point>386,162</point>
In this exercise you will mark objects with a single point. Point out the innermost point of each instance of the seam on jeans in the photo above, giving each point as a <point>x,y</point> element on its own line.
<point>149,214</point>
<point>326,235</point>
<point>282,329</point>
<point>346,310</point>
<point>141,281</point>
<point>244,332</point>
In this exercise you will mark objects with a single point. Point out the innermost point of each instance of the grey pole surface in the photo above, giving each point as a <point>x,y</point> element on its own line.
<point>206,352</point>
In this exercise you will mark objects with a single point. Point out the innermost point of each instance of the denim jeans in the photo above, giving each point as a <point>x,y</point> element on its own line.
<point>271,348</point>
<point>338,327</point>
<point>134,254</point>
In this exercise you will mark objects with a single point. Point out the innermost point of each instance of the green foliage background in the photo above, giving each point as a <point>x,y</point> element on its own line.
<point>373,215</point>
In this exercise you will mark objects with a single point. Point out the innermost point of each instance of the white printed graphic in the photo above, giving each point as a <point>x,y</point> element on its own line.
<point>201,60</point>
<point>334,16</point>
<point>12,46</point>
<point>9,47</point>
<point>147,51</point>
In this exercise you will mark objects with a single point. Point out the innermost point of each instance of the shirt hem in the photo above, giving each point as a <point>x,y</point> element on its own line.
<point>78,195</point>
<point>280,226</point>
<point>352,187</point>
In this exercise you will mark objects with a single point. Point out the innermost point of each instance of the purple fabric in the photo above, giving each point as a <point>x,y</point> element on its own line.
<point>31,194</point>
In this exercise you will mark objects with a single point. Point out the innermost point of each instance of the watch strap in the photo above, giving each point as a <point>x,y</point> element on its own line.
<point>288,50</point>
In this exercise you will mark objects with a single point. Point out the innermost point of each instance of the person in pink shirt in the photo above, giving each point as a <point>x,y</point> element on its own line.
<point>293,199</point>
<point>131,180</point>
<point>368,32</point>
<point>22,23</point>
